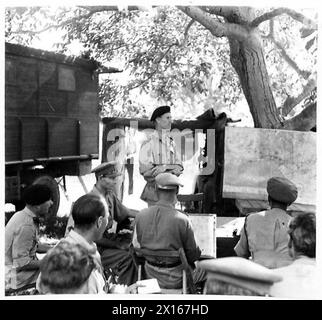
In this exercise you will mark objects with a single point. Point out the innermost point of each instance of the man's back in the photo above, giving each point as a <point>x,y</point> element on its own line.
<point>266,238</point>
<point>301,280</point>
<point>161,227</point>
<point>96,281</point>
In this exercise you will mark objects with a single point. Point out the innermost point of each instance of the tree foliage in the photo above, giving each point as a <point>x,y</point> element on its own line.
<point>183,56</point>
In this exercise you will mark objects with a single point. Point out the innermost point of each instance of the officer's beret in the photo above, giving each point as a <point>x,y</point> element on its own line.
<point>158,112</point>
<point>240,272</point>
<point>167,181</point>
<point>36,194</point>
<point>111,169</point>
<point>282,190</point>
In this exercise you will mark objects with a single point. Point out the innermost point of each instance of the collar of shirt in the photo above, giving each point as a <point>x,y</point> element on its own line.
<point>96,191</point>
<point>277,211</point>
<point>77,238</point>
<point>30,213</point>
<point>158,135</point>
<point>164,203</point>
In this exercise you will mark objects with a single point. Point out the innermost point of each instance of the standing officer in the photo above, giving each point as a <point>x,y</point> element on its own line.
<point>158,154</point>
<point>264,236</point>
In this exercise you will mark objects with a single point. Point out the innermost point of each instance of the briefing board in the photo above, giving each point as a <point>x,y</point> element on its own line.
<point>204,226</point>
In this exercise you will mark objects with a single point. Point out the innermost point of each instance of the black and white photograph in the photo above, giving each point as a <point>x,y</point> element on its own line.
<point>157,150</point>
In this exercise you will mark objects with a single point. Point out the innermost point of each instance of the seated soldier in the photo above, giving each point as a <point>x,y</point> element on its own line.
<point>302,279</point>
<point>162,227</point>
<point>22,239</point>
<point>237,276</point>
<point>264,236</point>
<point>66,269</point>
<point>107,178</point>
<point>114,246</point>
<point>90,215</point>
<point>69,268</point>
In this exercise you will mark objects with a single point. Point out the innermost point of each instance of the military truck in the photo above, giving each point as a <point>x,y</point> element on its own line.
<point>229,179</point>
<point>51,119</point>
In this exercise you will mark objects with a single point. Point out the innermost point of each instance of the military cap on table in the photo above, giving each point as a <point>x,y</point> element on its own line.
<point>158,112</point>
<point>240,272</point>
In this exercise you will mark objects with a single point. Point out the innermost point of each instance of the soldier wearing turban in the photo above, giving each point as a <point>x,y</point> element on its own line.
<point>264,236</point>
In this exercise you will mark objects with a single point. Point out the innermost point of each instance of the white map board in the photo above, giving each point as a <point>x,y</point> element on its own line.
<point>253,155</point>
<point>204,226</point>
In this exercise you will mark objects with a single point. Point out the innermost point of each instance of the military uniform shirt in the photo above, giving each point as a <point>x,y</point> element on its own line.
<point>267,238</point>
<point>162,227</point>
<point>156,151</point>
<point>21,241</point>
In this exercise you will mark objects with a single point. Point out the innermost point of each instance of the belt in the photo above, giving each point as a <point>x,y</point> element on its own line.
<point>164,265</point>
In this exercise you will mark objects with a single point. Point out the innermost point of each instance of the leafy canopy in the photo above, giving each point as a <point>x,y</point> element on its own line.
<point>165,57</point>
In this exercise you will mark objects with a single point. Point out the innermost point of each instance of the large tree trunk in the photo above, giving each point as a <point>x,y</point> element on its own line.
<point>246,55</point>
<point>247,58</point>
<point>249,63</point>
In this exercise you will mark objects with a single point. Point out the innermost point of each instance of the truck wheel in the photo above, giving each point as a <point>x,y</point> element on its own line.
<point>53,186</point>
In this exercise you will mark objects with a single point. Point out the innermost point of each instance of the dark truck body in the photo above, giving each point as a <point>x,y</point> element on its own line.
<point>51,118</point>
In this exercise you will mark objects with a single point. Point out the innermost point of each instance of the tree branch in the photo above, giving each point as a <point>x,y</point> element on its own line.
<point>216,28</point>
<point>191,22</point>
<point>218,11</point>
<point>303,73</point>
<point>292,13</point>
<point>291,102</point>
<point>112,8</point>
<point>63,23</point>
<point>157,67</point>
<point>290,61</point>
<point>304,121</point>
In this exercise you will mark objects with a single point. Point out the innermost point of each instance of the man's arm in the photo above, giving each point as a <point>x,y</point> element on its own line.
<point>44,247</point>
<point>31,265</point>
<point>133,213</point>
<point>24,243</point>
<point>146,161</point>
<point>191,248</point>
<point>150,167</point>
<point>241,249</point>
<point>173,168</point>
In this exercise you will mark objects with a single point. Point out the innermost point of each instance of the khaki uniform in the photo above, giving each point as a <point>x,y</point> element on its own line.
<point>154,152</point>
<point>161,227</point>
<point>116,210</point>
<point>118,260</point>
<point>21,241</point>
<point>266,238</point>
